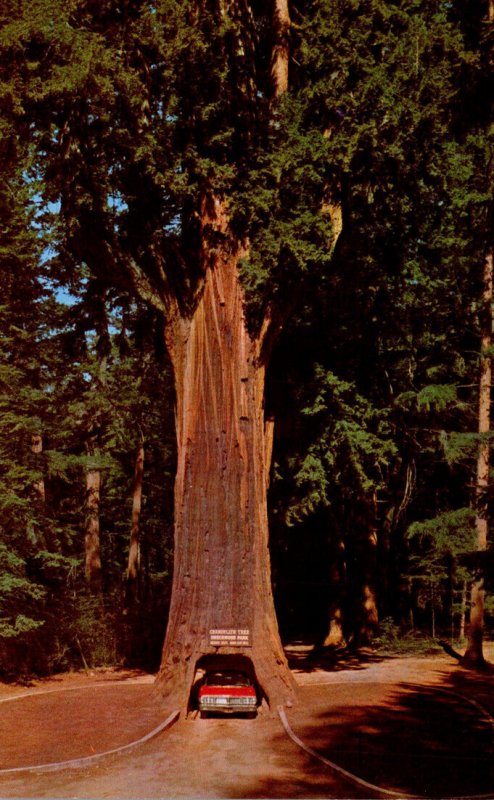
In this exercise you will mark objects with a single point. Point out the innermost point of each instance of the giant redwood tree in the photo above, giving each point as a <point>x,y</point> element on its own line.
<point>184,157</point>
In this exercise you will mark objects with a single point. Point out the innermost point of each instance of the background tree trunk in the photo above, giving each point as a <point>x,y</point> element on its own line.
<point>221,575</point>
<point>280,52</point>
<point>38,532</point>
<point>335,636</point>
<point>39,485</point>
<point>474,655</point>
<point>92,543</point>
<point>133,564</point>
<point>369,616</point>
<point>463,610</point>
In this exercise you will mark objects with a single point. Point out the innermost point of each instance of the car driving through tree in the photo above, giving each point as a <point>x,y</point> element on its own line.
<point>227,691</point>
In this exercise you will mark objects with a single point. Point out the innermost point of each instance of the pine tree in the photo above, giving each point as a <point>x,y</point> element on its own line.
<point>396,323</point>
<point>27,531</point>
<point>479,125</point>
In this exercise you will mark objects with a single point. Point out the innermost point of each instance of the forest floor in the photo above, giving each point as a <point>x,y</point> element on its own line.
<point>409,725</point>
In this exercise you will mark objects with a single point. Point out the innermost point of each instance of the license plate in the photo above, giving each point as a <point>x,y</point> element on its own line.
<point>228,701</point>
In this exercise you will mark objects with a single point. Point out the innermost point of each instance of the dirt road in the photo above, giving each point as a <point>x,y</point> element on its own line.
<point>413,726</point>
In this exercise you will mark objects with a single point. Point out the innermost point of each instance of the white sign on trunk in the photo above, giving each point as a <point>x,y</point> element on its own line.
<point>229,637</point>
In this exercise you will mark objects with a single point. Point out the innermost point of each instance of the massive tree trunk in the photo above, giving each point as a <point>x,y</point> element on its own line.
<point>221,580</point>
<point>222,573</point>
<point>474,655</point>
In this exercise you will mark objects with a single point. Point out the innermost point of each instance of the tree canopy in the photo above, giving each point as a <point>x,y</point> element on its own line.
<point>139,142</point>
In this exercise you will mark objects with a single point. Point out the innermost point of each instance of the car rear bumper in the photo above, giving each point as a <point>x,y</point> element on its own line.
<point>228,709</point>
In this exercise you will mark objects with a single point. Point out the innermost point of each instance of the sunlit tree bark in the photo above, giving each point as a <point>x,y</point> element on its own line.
<point>222,568</point>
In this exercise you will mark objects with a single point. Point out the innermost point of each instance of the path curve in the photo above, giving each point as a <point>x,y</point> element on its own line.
<point>87,760</point>
<point>195,758</point>
<point>360,782</point>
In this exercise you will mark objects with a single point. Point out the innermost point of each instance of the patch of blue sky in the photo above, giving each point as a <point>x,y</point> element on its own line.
<point>64,297</point>
<point>174,225</point>
<point>61,293</point>
<point>117,203</point>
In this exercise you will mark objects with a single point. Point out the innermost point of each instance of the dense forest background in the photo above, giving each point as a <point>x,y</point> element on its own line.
<point>373,385</point>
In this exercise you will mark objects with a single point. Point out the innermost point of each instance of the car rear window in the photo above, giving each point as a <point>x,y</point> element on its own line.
<point>227,679</point>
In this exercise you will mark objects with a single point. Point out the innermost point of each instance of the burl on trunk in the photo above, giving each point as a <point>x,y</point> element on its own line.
<point>221,578</point>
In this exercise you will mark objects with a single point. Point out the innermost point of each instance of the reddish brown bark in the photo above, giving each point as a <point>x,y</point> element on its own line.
<point>335,636</point>
<point>280,53</point>
<point>39,485</point>
<point>474,655</point>
<point>38,533</point>
<point>92,544</point>
<point>463,611</point>
<point>222,568</point>
<point>368,612</point>
<point>268,449</point>
<point>133,564</point>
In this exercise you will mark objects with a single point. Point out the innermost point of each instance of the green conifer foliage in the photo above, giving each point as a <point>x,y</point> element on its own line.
<point>120,118</point>
<point>399,309</point>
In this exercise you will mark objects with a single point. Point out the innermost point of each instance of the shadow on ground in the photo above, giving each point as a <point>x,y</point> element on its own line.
<point>407,738</point>
<point>304,658</point>
<point>416,735</point>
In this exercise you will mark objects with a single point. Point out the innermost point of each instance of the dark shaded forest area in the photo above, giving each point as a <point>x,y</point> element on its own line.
<point>364,188</point>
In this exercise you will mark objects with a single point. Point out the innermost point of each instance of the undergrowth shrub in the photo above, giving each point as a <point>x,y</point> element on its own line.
<point>393,639</point>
